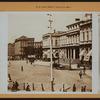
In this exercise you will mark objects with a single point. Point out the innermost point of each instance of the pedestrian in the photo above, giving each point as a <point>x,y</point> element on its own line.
<point>27,61</point>
<point>80,74</point>
<point>21,68</point>
<point>13,89</point>
<point>31,62</point>
<point>28,87</point>
<point>84,70</point>
<point>24,86</point>
<point>74,88</point>
<point>82,89</point>
<point>16,85</point>
<point>78,66</point>
<point>9,77</point>
<point>90,90</point>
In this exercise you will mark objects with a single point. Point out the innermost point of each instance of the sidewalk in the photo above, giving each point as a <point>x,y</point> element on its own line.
<point>43,63</point>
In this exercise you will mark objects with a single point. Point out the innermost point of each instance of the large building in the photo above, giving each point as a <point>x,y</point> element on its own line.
<point>21,44</point>
<point>74,44</point>
<point>11,50</point>
<point>86,42</point>
<point>55,44</point>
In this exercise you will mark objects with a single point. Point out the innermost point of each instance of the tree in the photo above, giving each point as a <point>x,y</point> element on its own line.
<point>28,51</point>
<point>38,52</point>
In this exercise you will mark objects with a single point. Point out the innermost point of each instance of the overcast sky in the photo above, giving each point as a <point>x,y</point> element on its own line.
<point>36,24</point>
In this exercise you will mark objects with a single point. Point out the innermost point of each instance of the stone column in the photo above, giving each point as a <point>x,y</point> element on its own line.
<point>73,53</point>
<point>68,53</point>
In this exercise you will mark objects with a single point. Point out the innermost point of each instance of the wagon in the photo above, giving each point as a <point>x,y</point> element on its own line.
<point>58,66</point>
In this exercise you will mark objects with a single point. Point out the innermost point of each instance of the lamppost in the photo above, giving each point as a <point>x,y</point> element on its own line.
<point>50,21</point>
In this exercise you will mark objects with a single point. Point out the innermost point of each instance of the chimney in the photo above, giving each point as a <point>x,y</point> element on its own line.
<point>77,20</point>
<point>88,16</point>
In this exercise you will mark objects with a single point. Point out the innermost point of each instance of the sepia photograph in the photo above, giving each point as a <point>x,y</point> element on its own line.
<point>49,52</point>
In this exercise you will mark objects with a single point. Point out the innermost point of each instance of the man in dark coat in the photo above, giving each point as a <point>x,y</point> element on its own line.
<point>84,70</point>
<point>16,84</point>
<point>28,87</point>
<point>21,68</point>
<point>80,74</point>
<point>74,88</point>
<point>84,88</point>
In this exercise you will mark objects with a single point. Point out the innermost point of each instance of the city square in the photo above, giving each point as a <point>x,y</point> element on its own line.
<point>39,74</point>
<point>55,58</point>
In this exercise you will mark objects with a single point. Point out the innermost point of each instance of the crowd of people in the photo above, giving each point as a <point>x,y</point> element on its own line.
<point>83,88</point>
<point>15,88</point>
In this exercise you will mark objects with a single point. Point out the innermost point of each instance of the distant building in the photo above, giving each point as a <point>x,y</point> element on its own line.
<point>20,44</point>
<point>11,50</point>
<point>37,44</point>
<point>38,50</point>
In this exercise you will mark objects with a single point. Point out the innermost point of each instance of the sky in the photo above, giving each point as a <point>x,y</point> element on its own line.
<point>35,24</point>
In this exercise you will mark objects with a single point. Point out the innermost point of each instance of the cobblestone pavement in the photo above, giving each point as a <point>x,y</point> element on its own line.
<point>42,74</point>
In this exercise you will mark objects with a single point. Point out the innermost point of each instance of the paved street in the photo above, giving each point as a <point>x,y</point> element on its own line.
<point>42,74</point>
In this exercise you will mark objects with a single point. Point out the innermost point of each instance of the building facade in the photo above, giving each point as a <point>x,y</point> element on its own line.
<point>86,42</point>
<point>74,44</point>
<point>69,42</point>
<point>37,44</point>
<point>11,50</point>
<point>55,44</point>
<point>20,45</point>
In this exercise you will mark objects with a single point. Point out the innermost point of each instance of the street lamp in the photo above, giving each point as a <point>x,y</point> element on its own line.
<point>50,21</point>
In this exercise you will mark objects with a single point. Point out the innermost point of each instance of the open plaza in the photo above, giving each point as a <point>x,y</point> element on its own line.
<point>38,76</point>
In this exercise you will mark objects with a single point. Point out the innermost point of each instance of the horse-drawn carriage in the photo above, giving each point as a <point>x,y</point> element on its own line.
<point>58,66</point>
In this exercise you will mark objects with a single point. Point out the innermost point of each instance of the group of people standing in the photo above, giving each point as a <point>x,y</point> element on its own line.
<point>27,87</point>
<point>15,86</point>
<point>83,88</point>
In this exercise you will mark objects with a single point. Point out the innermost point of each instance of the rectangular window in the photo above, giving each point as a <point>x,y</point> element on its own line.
<point>83,36</point>
<point>87,35</point>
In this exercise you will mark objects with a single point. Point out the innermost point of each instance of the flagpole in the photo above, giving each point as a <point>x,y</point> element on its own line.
<point>51,51</point>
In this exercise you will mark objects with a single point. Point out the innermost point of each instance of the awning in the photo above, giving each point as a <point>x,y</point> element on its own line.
<point>90,53</point>
<point>48,51</point>
<point>82,53</point>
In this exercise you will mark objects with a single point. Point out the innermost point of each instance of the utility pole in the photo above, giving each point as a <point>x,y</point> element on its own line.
<point>50,21</point>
